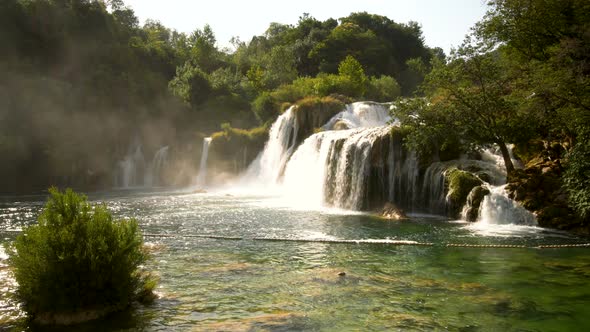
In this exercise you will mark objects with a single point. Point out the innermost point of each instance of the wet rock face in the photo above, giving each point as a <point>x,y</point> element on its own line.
<point>474,200</point>
<point>392,212</point>
<point>538,188</point>
<point>461,183</point>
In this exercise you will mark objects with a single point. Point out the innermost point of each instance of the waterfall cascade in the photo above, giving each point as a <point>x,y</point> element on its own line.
<point>202,177</point>
<point>498,208</point>
<point>133,171</point>
<point>153,176</point>
<point>267,168</point>
<point>358,162</point>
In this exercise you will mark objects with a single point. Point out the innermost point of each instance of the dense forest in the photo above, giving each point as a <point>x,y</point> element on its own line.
<point>83,80</point>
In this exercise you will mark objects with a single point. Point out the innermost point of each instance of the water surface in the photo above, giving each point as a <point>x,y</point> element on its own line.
<point>244,282</point>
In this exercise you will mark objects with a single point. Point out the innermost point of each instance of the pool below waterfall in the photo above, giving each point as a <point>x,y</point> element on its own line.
<point>232,262</point>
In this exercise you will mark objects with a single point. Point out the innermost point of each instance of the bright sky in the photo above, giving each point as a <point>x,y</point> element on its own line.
<point>444,22</point>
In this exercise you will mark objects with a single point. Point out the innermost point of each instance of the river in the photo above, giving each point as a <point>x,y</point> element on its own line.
<point>237,261</point>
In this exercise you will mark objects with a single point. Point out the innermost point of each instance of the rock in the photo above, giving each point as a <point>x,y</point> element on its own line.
<point>460,185</point>
<point>474,200</point>
<point>390,211</point>
<point>200,191</point>
<point>340,125</point>
<point>341,274</point>
<point>538,189</point>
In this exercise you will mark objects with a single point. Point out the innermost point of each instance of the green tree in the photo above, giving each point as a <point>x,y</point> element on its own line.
<point>78,258</point>
<point>191,84</point>
<point>470,97</point>
<point>352,70</point>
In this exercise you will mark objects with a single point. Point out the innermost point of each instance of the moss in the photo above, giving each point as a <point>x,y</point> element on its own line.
<point>460,183</point>
<point>233,149</point>
<point>314,112</point>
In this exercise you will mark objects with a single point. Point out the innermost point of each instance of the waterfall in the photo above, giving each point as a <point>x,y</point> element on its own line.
<point>133,171</point>
<point>267,168</point>
<point>331,168</point>
<point>358,161</point>
<point>154,174</point>
<point>361,115</point>
<point>202,177</point>
<point>497,208</point>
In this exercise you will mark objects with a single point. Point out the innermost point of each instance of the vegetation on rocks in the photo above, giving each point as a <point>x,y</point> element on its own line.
<point>521,76</point>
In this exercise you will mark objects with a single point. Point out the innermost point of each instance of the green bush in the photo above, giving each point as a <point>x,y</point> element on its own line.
<point>265,107</point>
<point>383,89</point>
<point>78,258</point>
<point>576,178</point>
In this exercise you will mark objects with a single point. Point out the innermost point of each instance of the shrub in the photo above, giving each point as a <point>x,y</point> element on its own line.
<point>576,178</point>
<point>383,89</point>
<point>78,258</point>
<point>265,107</point>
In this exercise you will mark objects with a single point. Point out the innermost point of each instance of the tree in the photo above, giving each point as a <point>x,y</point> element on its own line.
<point>191,84</point>
<point>470,97</point>
<point>351,69</point>
<point>78,258</point>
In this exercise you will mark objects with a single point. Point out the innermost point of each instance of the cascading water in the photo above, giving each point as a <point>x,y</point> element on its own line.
<point>202,177</point>
<point>267,168</point>
<point>358,162</point>
<point>133,171</point>
<point>153,176</point>
<point>361,115</point>
<point>498,208</point>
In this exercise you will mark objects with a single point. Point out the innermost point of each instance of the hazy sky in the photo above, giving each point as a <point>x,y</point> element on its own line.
<point>444,22</point>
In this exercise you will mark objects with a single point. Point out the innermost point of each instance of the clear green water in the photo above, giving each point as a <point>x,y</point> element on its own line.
<point>236,285</point>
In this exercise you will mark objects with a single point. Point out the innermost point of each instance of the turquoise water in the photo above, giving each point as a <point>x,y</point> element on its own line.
<point>247,283</point>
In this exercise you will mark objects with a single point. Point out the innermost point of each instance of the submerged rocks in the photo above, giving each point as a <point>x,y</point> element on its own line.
<point>392,212</point>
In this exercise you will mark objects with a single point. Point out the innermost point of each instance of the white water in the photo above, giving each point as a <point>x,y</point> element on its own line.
<point>133,171</point>
<point>331,169</point>
<point>498,209</point>
<point>202,177</point>
<point>361,115</point>
<point>155,170</point>
<point>266,169</point>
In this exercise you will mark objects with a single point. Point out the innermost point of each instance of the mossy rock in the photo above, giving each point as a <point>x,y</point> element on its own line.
<point>233,149</point>
<point>314,112</point>
<point>460,183</point>
<point>474,200</point>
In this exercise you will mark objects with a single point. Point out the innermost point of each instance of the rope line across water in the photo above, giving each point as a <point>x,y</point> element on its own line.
<point>388,242</point>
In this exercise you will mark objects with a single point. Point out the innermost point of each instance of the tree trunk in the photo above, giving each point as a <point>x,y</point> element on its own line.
<point>507,160</point>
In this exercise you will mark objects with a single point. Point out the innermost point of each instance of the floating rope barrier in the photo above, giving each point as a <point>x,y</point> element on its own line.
<point>374,241</point>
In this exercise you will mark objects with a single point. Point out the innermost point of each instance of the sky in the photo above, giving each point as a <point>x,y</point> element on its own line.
<point>444,22</point>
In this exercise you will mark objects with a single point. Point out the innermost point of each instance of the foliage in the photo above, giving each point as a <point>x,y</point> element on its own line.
<point>191,84</point>
<point>353,71</point>
<point>383,89</point>
<point>264,107</point>
<point>471,96</point>
<point>577,177</point>
<point>77,258</point>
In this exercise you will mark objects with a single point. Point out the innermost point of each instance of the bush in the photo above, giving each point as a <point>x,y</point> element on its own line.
<point>383,89</point>
<point>78,258</point>
<point>576,178</point>
<point>265,107</point>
